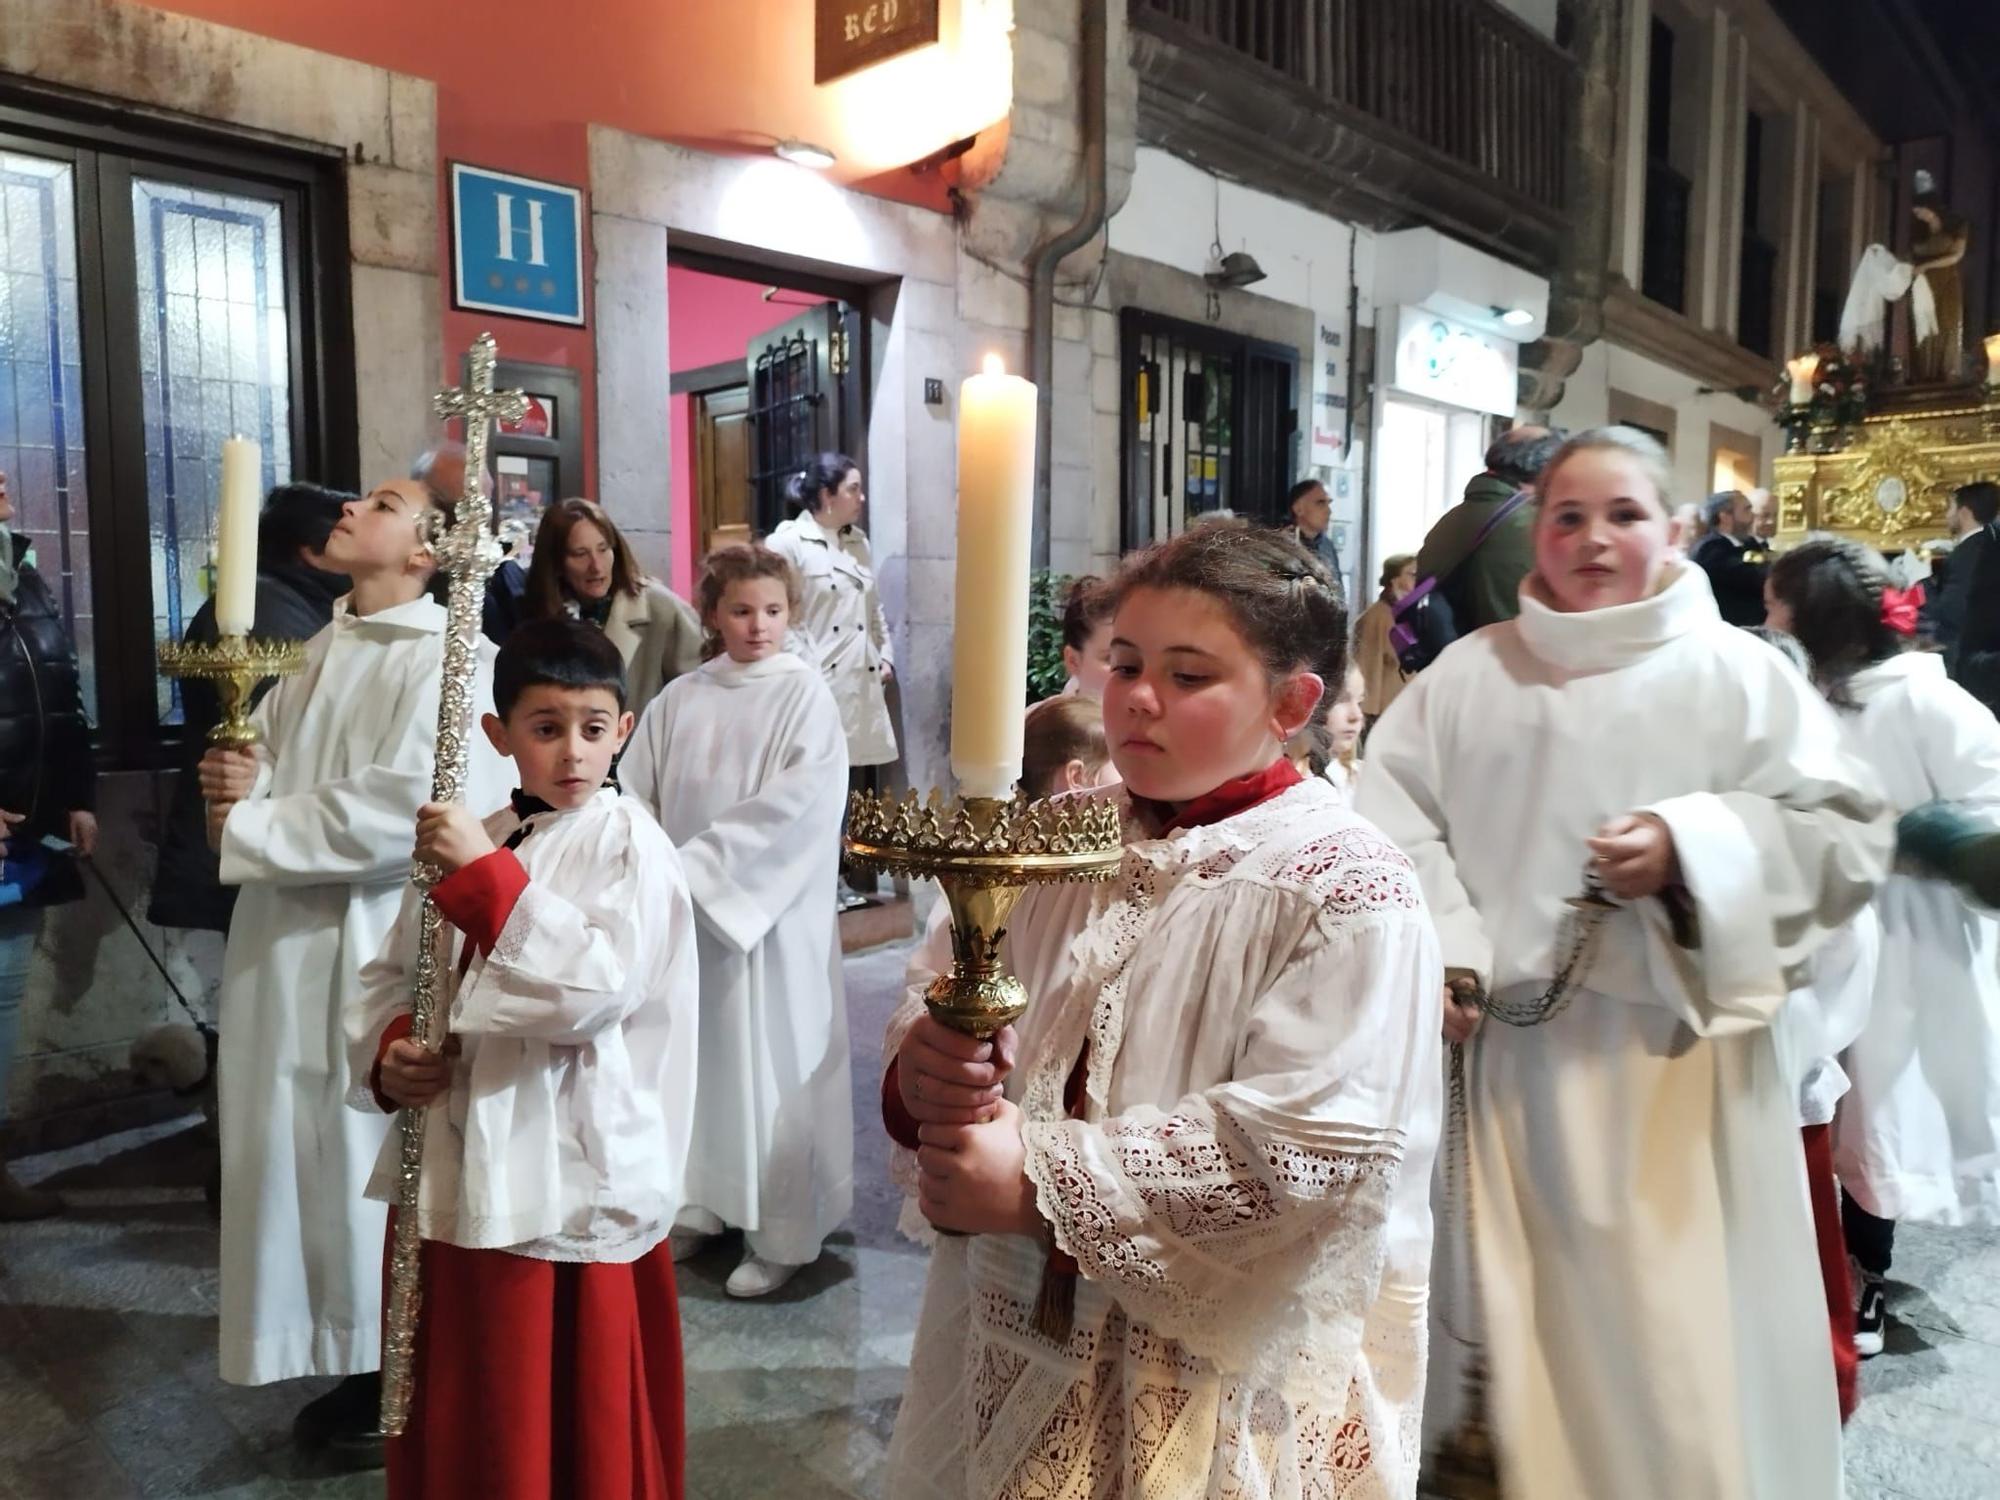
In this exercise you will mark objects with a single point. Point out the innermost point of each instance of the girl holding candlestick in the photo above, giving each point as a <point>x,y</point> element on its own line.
<point>1192,1182</point>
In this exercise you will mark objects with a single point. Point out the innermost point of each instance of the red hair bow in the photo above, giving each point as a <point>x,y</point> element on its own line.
<point>1900,606</point>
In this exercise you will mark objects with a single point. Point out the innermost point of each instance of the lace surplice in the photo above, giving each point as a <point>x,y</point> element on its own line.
<point>1246,1195</point>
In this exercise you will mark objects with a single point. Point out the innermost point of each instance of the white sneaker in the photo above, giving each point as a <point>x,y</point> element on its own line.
<point>758,1277</point>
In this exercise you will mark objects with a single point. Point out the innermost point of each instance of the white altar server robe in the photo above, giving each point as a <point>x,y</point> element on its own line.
<point>564,1134</point>
<point>322,851</point>
<point>1247,1195</point>
<point>745,765</point>
<point>1641,1238</point>
<point>1919,1135</point>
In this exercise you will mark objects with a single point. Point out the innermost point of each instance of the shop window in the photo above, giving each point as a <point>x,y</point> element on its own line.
<point>1210,423</point>
<point>157,296</point>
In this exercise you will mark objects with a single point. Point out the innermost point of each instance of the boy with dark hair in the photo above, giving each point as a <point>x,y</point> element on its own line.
<point>548,1354</point>
<point>314,825</point>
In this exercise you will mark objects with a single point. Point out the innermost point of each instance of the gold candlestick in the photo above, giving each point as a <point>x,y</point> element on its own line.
<point>985,853</point>
<point>235,664</point>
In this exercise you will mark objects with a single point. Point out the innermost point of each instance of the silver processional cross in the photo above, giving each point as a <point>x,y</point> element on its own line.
<point>467,552</point>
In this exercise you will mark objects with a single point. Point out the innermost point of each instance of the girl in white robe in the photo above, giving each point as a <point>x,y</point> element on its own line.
<point>745,764</point>
<point>316,830</point>
<point>1196,1226</point>
<point>1918,1136</point>
<point>1628,1244</point>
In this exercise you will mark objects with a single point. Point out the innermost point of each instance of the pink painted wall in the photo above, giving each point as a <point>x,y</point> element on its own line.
<point>709,319</point>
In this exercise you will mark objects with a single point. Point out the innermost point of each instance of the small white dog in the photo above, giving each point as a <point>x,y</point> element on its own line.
<point>182,1058</point>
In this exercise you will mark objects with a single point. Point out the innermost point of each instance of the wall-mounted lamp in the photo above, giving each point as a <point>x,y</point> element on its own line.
<point>805,154</point>
<point>1238,268</point>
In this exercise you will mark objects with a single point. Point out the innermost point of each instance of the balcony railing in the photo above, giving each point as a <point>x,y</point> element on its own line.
<point>1462,77</point>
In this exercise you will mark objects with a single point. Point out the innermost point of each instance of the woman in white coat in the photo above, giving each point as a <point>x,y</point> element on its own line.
<point>1918,1135</point>
<point>840,628</point>
<point>585,569</point>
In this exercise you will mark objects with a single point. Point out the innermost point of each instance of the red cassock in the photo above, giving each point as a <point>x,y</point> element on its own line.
<point>536,1379</point>
<point>1833,1262</point>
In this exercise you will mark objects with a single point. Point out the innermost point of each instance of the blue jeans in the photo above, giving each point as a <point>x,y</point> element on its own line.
<point>18,926</point>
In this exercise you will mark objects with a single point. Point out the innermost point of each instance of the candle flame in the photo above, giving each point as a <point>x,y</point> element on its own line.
<point>1803,367</point>
<point>994,365</point>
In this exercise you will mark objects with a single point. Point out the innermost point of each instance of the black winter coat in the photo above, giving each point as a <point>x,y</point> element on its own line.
<point>46,769</point>
<point>1735,574</point>
<point>294,603</point>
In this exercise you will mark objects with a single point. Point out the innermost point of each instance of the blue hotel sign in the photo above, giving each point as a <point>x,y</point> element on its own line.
<point>517,245</point>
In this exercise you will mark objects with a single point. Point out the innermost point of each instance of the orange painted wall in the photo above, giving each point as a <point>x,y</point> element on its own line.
<point>520,81</point>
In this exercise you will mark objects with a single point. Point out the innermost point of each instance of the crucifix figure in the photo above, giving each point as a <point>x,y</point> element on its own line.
<point>467,551</point>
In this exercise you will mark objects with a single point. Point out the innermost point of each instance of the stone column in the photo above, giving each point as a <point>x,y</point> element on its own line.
<point>1576,291</point>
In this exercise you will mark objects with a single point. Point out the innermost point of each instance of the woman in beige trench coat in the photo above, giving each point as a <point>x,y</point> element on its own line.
<point>584,568</point>
<point>840,627</point>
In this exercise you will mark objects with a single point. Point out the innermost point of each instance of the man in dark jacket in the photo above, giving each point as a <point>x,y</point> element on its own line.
<point>1974,508</point>
<point>1972,589</point>
<point>295,599</point>
<point>48,790</point>
<point>1733,558</point>
<point>1481,580</point>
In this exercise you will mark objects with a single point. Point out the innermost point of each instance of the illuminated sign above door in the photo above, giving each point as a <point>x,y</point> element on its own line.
<point>1446,361</point>
<point>856,34</point>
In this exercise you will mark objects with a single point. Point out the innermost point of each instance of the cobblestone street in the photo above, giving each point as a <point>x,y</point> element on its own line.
<point>107,1333</point>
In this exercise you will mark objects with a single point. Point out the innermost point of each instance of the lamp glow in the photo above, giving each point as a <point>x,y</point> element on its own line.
<point>1517,317</point>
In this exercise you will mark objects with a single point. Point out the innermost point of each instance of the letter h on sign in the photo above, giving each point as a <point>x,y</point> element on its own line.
<point>517,245</point>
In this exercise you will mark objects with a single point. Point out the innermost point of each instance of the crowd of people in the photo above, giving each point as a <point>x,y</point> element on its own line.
<point>1508,1024</point>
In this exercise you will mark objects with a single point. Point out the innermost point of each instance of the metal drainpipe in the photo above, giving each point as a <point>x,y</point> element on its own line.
<point>1050,253</point>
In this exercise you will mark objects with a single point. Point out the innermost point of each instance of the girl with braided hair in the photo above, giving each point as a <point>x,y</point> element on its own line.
<point>1191,1184</point>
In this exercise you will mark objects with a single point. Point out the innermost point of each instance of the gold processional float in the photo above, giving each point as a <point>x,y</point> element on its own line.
<point>1880,466</point>
<point>985,848</point>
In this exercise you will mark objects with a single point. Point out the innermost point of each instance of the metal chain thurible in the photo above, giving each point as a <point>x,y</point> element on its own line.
<point>1465,1465</point>
<point>467,551</point>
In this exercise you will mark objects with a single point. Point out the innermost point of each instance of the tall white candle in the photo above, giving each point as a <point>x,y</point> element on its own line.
<point>1803,369</point>
<point>989,656</point>
<point>236,537</point>
<point>1992,345</point>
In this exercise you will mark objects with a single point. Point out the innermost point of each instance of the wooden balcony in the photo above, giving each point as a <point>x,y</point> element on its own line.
<point>1450,112</point>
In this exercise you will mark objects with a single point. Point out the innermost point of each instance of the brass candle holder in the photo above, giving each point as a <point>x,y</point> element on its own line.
<point>985,852</point>
<point>235,664</point>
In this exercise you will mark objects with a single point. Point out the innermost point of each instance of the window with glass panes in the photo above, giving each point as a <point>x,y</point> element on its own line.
<point>159,293</point>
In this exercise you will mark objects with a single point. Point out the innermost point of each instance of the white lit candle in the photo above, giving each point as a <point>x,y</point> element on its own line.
<point>236,537</point>
<point>989,656</point>
<point>1802,369</point>
<point>1992,342</point>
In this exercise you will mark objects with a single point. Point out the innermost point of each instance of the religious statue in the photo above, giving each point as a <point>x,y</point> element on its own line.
<point>1938,242</point>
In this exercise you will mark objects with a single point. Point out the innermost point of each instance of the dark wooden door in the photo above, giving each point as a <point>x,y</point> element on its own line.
<point>722,466</point>
<point>804,398</point>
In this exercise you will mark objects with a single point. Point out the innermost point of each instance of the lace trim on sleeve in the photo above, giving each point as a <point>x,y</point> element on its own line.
<point>1248,1247</point>
<point>520,926</point>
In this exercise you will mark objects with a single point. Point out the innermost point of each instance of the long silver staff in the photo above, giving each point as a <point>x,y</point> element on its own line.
<point>467,553</point>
